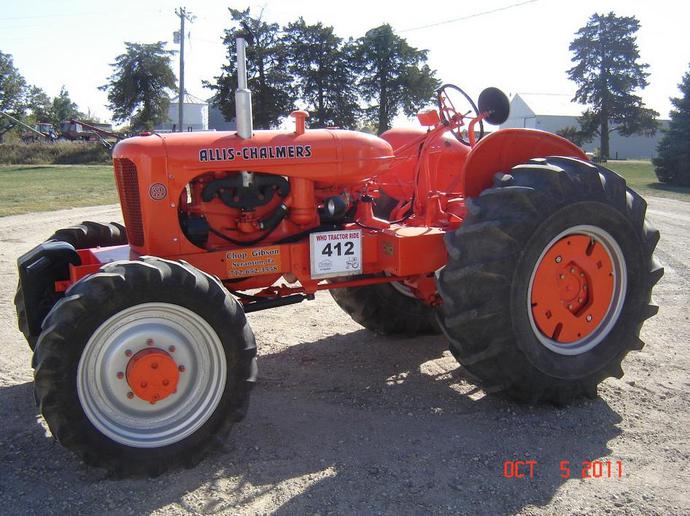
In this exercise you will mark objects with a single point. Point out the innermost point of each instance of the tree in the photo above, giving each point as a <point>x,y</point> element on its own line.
<point>64,108</point>
<point>608,72</point>
<point>12,92</point>
<point>273,95</point>
<point>394,75</point>
<point>673,153</point>
<point>320,62</point>
<point>575,135</point>
<point>138,88</point>
<point>40,104</point>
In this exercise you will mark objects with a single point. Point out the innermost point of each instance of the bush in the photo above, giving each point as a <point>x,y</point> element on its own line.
<point>59,153</point>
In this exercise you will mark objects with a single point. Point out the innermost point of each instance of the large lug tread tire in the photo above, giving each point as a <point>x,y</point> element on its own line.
<point>92,234</point>
<point>386,311</point>
<point>82,236</point>
<point>90,303</point>
<point>492,254</point>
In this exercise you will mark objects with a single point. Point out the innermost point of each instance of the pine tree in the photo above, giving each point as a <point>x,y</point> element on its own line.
<point>273,95</point>
<point>393,76</point>
<point>673,153</point>
<point>608,72</point>
<point>320,62</point>
<point>138,88</point>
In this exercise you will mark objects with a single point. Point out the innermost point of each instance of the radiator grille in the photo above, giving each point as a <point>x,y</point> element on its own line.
<point>128,188</point>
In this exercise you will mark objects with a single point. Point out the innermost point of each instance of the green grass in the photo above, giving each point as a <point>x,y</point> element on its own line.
<point>27,188</point>
<point>640,177</point>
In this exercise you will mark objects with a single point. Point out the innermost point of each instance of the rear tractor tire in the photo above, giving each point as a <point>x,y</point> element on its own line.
<point>144,366</point>
<point>82,236</point>
<point>387,309</point>
<point>549,280</point>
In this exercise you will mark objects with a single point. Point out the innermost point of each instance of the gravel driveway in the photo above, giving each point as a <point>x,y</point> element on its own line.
<point>343,421</point>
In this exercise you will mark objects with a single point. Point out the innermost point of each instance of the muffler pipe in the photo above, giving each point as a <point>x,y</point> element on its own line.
<point>243,97</point>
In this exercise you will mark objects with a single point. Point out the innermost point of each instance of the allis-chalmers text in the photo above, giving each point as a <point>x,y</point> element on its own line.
<point>252,153</point>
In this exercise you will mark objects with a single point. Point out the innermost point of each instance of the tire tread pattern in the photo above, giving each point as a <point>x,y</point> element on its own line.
<point>386,311</point>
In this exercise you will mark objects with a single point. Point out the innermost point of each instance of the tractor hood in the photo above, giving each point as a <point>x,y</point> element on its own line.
<point>322,155</point>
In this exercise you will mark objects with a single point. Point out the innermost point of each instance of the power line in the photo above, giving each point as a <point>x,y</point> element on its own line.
<point>469,16</point>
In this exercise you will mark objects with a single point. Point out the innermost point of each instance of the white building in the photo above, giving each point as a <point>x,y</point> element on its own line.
<point>553,112</point>
<point>194,112</point>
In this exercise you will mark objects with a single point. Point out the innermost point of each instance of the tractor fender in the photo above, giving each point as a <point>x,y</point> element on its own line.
<point>502,150</point>
<point>39,269</point>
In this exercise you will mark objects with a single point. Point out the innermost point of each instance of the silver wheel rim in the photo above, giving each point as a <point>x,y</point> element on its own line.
<point>620,284</point>
<point>133,421</point>
<point>402,288</point>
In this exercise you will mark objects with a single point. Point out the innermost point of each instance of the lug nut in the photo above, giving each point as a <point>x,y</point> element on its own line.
<point>562,276</point>
<point>572,271</point>
<point>570,307</point>
<point>130,395</point>
<point>558,259</point>
<point>181,369</point>
<point>128,353</point>
<point>143,385</point>
<point>589,318</point>
<point>166,381</point>
<point>120,375</point>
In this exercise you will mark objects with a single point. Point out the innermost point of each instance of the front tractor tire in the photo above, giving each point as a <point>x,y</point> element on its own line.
<point>143,366</point>
<point>549,280</point>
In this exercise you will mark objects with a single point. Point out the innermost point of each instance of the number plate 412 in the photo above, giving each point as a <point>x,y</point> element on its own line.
<point>335,253</point>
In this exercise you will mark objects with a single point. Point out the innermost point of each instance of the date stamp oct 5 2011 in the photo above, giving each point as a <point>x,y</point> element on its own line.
<point>585,469</point>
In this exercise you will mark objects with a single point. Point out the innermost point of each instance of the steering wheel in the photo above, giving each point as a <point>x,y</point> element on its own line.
<point>447,110</point>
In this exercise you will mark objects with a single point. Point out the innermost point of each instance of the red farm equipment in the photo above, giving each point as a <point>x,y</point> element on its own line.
<point>535,264</point>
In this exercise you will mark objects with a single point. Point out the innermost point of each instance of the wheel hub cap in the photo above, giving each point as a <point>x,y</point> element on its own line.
<point>572,288</point>
<point>152,374</point>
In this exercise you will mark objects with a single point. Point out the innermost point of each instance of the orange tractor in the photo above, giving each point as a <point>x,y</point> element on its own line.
<point>533,262</point>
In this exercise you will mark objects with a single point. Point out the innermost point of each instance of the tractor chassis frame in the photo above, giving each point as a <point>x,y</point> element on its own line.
<point>408,255</point>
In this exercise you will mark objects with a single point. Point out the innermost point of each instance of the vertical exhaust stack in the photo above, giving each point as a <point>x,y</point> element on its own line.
<point>243,97</point>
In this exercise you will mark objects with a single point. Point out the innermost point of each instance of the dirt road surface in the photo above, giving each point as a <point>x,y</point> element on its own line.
<point>343,421</point>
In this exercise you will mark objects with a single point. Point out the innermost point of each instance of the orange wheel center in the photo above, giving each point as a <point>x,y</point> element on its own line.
<point>572,288</point>
<point>152,374</point>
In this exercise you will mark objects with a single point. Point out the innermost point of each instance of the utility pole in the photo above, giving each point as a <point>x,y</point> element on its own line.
<point>183,15</point>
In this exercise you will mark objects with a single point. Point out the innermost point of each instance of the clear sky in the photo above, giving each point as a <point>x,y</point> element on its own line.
<point>520,49</point>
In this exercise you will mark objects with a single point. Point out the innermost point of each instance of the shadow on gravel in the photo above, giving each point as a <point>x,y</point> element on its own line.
<point>349,423</point>
<point>670,188</point>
